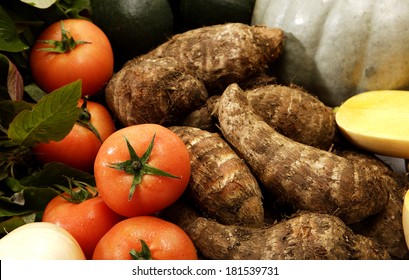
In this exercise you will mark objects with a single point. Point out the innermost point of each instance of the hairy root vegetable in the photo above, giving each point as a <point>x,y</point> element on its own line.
<point>223,54</point>
<point>386,226</point>
<point>221,185</point>
<point>294,113</point>
<point>203,117</point>
<point>156,90</point>
<point>291,111</point>
<point>311,236</point>
<point>308,178</point>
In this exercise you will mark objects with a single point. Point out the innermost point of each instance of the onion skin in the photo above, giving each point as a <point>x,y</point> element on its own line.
<point>40,241</point>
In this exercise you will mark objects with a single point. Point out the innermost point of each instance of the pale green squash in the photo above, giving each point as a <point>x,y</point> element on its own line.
<point>337,48</point>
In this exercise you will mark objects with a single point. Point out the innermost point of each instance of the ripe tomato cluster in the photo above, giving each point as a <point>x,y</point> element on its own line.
<point>139,170</point>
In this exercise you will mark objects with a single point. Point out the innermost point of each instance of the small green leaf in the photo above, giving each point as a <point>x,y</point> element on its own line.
<point>14,222</point>
<point>52,118</point>
<point>10,109</point>
<point>9,39</point>
<point>35,92</point>
<point>55,173</point>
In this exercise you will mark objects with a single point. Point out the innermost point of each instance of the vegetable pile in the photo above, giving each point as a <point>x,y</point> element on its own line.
<point>190,150</point>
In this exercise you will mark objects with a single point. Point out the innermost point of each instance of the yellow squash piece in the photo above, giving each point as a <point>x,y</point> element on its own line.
<point>405,218</point>
<point>377,121</point>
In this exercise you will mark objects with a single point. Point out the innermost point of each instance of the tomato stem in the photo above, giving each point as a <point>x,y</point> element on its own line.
<point>84,119</point>
<point>138,166</point>
<point>81,191</point>
<point>66,44</point>
<point>144,254</point>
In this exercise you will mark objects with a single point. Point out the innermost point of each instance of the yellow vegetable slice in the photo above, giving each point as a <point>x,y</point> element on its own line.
<point>405,218</point>
<point>377,121</point>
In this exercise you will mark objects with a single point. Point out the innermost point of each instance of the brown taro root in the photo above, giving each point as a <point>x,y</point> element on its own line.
<point>291,111</point>
<point>157,90</point>
<point>307,236</point>
<point>386,226</point>
<point>306,177</point>
<point>203,117</point>
<point>294,113</point>
<point>223,54</point>
<point>221,185</point>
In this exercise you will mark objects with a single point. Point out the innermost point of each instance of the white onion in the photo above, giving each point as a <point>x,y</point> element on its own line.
<point>40,241</point>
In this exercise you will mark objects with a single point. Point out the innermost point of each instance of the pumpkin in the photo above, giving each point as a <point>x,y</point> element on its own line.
<point>338,48</point>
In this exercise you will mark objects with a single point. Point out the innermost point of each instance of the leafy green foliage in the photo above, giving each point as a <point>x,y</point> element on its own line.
<point>9,38</point>
<point>52,118</point>
<point>28,115</point>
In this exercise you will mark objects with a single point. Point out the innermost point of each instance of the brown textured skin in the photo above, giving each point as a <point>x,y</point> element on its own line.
<point>295,114</point>
<point>221,185</point>
<point>386,226</point>
<point>308,178</point>
<point>157,90</point>
<point>307,236</point>
<point>223,54</point>
<point>203,117</point>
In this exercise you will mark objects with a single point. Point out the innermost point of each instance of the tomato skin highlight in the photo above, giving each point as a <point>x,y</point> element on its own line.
<point>93,63</point>
<point>87,221</point>
<point>80,147</point>
<point>165,240</point>
<point>155,192</point>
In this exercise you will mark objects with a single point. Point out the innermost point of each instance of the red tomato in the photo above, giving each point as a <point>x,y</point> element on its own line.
<point>165,240</point>
<point>154,192</point>
<point>87,221</point>
<point>80,147</point>
<point>91,62</point>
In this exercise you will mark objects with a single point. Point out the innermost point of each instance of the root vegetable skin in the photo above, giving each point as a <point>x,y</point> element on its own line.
<point>223,54</point>
<point>308,178</point>
<point>306,236</point>
<point>221,185</point>
<point>294,113</point>
<point>157,90</point>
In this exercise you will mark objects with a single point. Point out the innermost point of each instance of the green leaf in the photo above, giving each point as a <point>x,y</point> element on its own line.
<point>15,222</point>
<point>52,118</point>
<point>35,92</point>
<point>9,39</point>
<point>10,109</point>
<point>56,173</point>
<point>41,4</point>
<point>74,8</point>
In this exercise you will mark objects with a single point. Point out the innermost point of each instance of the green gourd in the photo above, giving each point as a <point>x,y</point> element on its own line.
<point>338,48</point>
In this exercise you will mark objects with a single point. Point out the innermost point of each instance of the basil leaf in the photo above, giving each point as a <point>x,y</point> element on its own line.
<point>55,173</point>
<point>52,118</point>
<point>35,92</point>
<point>10,109</point>
<point>9,39</point>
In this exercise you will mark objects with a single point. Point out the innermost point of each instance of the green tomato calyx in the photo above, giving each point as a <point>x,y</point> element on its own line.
<point>66,44</point>
<point>138,166</point>
<point>144,254</point>
<point>84,119</point>
<point>77,191</point>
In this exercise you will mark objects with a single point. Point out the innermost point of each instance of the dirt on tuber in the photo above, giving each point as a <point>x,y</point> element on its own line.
<point>308,178</point>
<point>219,55</point>
<point>155,90</point>
<point>221,185</point>
<point>306,236</point>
